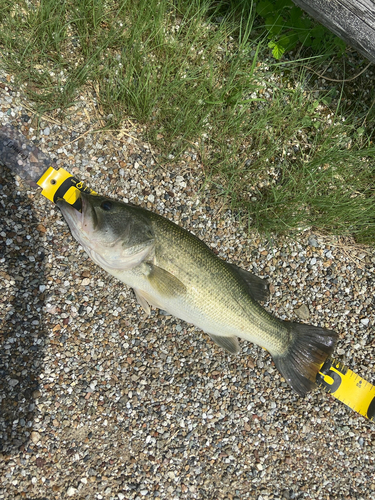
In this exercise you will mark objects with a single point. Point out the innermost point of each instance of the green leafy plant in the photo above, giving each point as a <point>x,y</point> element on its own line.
<point>287,26</point>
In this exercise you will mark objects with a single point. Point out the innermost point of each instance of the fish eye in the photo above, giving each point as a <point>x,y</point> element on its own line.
<point>106,205</point>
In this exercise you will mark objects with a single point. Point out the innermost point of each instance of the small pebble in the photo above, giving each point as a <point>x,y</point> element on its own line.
<point>303,312</point>
<point>35,437</point>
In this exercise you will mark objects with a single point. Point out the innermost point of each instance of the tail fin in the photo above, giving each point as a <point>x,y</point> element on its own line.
<point>310,346</point>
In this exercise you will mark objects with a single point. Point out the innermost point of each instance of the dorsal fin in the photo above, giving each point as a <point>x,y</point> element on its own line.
<point>257,287</point>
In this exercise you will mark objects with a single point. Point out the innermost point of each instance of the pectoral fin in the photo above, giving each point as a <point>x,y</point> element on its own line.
<point>230,344</point>
<point>164,282</point>
<point>256,287</point>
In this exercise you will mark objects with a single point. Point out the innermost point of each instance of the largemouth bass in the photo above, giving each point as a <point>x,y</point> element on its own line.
<point>171,269</point>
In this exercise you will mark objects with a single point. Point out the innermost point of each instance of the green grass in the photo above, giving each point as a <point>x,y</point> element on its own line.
<point>273,145</point>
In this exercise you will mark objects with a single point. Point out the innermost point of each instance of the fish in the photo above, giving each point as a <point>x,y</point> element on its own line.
<point>171,269</point>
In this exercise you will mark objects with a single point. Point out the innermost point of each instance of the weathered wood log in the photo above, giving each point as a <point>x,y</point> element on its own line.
<point>351,20</point>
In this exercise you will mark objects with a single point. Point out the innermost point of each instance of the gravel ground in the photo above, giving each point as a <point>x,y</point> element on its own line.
<point>99,402</point>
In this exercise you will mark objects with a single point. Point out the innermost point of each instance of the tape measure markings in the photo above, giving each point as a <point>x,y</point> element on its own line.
<point>348,387</point>
<point>57,184</point>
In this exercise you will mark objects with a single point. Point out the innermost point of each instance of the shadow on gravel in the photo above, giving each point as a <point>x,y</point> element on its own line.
<point>22,332</point>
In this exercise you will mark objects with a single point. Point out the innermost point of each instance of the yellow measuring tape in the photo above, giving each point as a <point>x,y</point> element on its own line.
<point>348,387</point>
<point>57,184</point>
<point>336,378</point>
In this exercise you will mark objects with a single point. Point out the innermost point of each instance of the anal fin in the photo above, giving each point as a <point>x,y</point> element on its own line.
<point>230,344</point>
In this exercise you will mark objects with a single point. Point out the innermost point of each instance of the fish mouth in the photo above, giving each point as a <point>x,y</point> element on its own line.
<point>72,216</point>
<point>69,212</point>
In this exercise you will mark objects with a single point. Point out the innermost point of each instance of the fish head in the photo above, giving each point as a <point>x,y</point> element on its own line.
<point>115,235</point>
